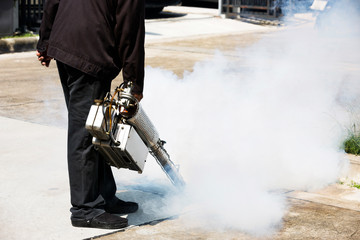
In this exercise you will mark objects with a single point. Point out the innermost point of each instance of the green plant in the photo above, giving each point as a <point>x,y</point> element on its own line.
<point>352,144</point>
<point>20,35</point>
<point>355,184</point>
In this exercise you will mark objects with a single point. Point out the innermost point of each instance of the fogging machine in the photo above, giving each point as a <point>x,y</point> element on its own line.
<point>124,135</point>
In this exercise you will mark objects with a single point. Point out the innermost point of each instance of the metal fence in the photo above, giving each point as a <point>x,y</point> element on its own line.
<point>235,8</point>
<point>30,14</point>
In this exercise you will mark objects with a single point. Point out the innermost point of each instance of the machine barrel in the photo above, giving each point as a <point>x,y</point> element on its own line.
<point>163,159</point>
<point>150,136</point>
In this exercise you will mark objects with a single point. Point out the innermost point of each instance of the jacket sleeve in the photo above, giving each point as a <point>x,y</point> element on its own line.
<point>50,10</point>
<point>130,36</point>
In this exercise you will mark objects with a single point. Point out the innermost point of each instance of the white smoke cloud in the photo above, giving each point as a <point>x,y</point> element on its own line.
<point>241,131</point>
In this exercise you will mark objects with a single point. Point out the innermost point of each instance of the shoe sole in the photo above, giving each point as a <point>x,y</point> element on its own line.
<point>94,224</point>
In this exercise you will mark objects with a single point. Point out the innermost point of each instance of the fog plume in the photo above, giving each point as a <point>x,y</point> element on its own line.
<point>272,119</point>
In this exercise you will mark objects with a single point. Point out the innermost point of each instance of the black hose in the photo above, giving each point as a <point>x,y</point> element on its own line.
<point>113,140</point>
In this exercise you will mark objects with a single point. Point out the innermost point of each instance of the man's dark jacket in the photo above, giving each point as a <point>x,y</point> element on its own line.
<point>98,37</point>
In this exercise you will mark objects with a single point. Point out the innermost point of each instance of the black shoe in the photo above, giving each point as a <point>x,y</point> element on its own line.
<point>121,207</point>
<point>105,220</point>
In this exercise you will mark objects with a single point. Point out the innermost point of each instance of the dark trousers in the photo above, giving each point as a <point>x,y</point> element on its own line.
<point>91,180</point>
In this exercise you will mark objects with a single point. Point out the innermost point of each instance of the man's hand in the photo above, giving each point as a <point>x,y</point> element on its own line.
<point>43,58</point>
<point>138,96</point>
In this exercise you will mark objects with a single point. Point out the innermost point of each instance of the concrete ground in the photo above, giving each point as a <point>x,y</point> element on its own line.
<point>34,191</point>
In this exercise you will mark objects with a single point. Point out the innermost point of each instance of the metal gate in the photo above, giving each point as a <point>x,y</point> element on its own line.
<point>30,14</point>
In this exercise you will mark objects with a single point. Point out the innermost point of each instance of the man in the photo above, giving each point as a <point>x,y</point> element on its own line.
<point>91,41</point>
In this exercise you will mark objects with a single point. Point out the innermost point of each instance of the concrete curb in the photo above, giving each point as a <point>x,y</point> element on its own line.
<point>10,45</point>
